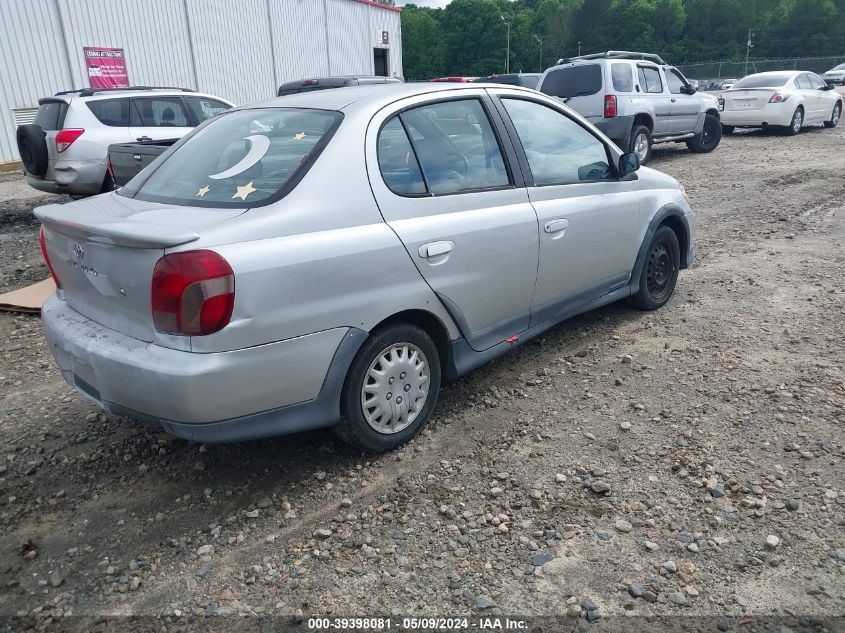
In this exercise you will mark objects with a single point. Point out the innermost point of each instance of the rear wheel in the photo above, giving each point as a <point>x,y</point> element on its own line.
<point>641,143</point>
<point>709,138</point>
<point>797,122</point>
<point>391,389</point>
<point>660,271</point>
<point>727,129</point>
<point>835,116</point>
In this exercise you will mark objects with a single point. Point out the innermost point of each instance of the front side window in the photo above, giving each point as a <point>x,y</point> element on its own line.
<point>650,80</point>
<point>239,159</point>
<point>573,81</point>
<point>158,112</point>
<point>204,108</point>
<point>397,161</point>
<point>558,149</point>
<point>816,82</point>
<point>623,77</point>
<point>111,112</point>
<point>456,147</point>
<point>676,83</point>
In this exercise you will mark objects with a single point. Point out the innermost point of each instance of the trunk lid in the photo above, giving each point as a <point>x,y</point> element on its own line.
<point>104,250</point>
<point>747,98</point>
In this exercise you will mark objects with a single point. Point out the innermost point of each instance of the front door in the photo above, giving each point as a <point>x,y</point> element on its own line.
<point>158,118</point>
<point>589,220</point>
<point>685,107</point>
<point>443,184</point>
<point>654,92</point>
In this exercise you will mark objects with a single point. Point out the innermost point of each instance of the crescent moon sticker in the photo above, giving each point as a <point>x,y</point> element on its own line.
<point>259,144</point>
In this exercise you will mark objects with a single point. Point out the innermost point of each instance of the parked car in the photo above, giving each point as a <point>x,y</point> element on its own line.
<point>727,84</point>
<point>788,99</point>
<point>637,100</point>
<point>64,150</point>
<point>526,80</point>
<point>455,80</point>
<point>694,84</point>
<point>126,160</point>
<point>265,276</point>
<point>326,83</point>
<point>835,75</point>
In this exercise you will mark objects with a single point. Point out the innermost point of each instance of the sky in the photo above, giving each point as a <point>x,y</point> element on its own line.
<point>425,3</point>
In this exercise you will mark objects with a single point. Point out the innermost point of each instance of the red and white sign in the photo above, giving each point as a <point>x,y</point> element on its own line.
<point>106,67</point>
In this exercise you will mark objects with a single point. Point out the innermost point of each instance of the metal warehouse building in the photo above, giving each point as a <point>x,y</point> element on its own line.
<point>241,50</point>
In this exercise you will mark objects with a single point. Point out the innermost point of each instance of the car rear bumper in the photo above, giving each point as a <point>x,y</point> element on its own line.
<point>618,130</point>
<point>772,114</point>
<point>259,391</point>
<point>75,177</point>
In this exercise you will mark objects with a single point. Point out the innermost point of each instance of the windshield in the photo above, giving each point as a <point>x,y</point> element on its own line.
<point>243,158</point>
<point>763,81</point>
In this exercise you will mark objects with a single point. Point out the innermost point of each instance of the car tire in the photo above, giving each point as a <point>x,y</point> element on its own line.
<point>709,137</point>
<point>660,271</point>
<point>796,123</point>
<point>641,134</point>
<point>727,129</point>
<point>835,115</point>
<point>32,146</point>
<point>409,360</point>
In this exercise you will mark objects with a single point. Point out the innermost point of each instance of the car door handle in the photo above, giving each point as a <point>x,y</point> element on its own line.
<point>434,249</point>
<point>553,226</point>
<point>143,138</point>
<point>674,100</point>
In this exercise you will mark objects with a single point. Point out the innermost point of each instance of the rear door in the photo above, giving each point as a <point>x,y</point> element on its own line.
<point>654,91</point>
<point>155,118</point>
<point>684,107</point>
<point>445,183</point>
<point>589,220</point>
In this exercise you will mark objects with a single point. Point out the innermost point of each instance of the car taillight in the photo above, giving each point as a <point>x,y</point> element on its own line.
<point>109,169</point>
<point>65,139</point>
<point>609,106</point>
<point>192,293</point>
<point>43,241</point>
<point>777,98</point>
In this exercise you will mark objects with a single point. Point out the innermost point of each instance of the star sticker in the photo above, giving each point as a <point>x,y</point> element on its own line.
<point>299,137</point>
<point>201,193</point>
<point>244,191</point>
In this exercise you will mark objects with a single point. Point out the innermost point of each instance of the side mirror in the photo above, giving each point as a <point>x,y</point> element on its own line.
<point>689,90</point>
<point>628,164</point>
<point>828,87</point>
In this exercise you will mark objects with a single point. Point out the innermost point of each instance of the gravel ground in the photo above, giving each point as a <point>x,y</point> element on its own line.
<point>683,462</point>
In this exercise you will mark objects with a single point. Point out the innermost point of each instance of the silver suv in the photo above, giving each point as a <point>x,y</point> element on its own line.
<point>65,150</point>
<point>637,100</point>
<point>326,258</point>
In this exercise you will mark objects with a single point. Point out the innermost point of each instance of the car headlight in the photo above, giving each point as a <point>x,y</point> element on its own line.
<point>685,195</point>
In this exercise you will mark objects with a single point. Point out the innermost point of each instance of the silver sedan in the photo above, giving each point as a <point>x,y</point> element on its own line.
<point>329,258</point>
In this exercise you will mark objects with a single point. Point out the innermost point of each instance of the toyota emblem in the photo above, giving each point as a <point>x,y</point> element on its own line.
<point>78,252</point>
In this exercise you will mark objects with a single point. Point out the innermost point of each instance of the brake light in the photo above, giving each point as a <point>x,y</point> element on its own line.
<point>192,293</point>
<point>778,98</point>
<point>43,242</point>
<point>609,106</point>
<point>65,138</point>
<point>109,169</point>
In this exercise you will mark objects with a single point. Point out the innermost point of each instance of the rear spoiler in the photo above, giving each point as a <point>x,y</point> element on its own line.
<point>115,230</point>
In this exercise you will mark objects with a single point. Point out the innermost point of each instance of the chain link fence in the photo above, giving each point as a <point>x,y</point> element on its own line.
<point>712,74</point>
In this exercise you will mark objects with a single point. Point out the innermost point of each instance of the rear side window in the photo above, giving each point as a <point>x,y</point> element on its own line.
<point>456,147</point>
<point>204,108</point>
<point>397,161</point>
<point>623,77</point>
<point>51,115</point>
<point>158,112</point>
<point>239,159</point>
<point>111,112</point>
<point>803,82</point>
<point>650,79</point>
<point>574,81</point>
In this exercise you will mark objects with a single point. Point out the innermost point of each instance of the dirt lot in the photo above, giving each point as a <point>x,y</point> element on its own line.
<point>682,462</point>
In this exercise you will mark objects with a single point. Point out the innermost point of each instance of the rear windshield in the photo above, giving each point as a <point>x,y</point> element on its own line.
<point>51,115</point>
<point>243,158</point>
<point>763,81</point>
<point>574,81</point>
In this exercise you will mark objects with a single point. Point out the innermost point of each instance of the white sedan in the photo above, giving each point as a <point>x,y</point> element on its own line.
<point>787,99</point>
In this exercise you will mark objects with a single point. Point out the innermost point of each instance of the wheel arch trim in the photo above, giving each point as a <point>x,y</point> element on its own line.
<point>673,216</point>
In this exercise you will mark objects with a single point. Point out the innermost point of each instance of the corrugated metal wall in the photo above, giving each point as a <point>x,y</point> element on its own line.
<point>238,50</point>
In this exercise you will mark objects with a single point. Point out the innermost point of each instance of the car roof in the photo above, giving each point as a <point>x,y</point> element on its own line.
<point>376,96</point>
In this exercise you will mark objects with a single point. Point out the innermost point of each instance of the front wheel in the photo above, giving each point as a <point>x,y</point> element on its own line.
<point>709,138</point>
<point>390,390</point>
<point>641,143</point>
<point>835,116</point>
<point>797,122</point>
<point>660,271</point>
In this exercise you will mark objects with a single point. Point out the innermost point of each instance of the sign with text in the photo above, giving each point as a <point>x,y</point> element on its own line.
<point>106,67</point>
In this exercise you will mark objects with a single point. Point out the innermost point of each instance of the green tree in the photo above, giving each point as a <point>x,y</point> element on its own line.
<point>422,42</point>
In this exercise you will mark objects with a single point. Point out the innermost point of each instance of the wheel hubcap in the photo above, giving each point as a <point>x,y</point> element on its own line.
<point>837,112</point>
<point>395,388</point>
<point>641,147</point>
<point>797,120</point>
<point>659,272</point>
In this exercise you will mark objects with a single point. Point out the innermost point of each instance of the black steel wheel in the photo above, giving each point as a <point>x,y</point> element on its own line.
<point>659,271</point>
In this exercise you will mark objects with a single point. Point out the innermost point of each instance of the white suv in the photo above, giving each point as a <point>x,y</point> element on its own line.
<point>65,150</point>
<point>636,99</point>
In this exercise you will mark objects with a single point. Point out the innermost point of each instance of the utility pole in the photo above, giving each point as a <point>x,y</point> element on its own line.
<point>579,49</point>
<point>540,39</point>
<point>748,47</point>
<point>508,58</point>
